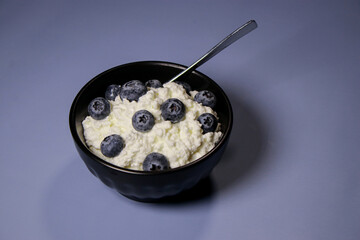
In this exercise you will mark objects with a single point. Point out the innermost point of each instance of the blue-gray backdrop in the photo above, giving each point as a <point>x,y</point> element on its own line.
<point>291,170</point>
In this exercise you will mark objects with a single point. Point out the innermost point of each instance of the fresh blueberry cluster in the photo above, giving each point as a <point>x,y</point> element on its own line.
<point>156,162</point>
<point>143,121</point>
<point>99,108</point>
<point>154,83</point>
<point>208,122</point>
<point>112,92</point>
<point>172,110</point>
<point>112,145</point>
<point>206,98</point>
<point>132,90</point>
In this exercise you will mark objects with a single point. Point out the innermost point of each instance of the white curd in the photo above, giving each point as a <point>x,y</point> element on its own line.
<point>180,142</point>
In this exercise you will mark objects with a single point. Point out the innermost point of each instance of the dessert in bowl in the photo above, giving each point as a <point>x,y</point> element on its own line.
<point>129,174</point>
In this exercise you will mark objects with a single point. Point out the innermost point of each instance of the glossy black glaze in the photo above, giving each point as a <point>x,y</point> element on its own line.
<point>139,185</point>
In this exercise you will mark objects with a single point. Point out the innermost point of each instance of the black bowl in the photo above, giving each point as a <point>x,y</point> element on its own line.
<point>139,185</point>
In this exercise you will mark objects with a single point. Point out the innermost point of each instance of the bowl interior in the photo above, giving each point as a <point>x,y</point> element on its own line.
<point>142,71</point>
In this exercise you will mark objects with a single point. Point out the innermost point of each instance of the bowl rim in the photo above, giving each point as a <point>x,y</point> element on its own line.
<point>87,151</point>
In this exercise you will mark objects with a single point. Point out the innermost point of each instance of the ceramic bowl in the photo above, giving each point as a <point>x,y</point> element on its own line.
<point>141,185</point>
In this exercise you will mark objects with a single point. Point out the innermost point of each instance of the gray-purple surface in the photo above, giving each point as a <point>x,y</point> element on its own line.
<point>291,170</point>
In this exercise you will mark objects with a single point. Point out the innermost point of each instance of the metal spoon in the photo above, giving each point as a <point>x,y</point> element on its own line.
<point>231,38</point>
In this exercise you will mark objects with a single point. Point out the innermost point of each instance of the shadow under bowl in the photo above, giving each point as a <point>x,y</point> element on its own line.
<point>141,185</point>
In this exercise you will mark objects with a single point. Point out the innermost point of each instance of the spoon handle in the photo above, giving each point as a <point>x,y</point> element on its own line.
<point>231,38</point>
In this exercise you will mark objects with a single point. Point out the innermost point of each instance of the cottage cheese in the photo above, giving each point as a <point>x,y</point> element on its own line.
<point>181,142</point>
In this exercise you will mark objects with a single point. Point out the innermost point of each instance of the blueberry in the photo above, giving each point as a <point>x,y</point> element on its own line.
<point>99,108</point>
<point>156,162</point>
<point>112,91</point>
<point>132,90</point>
<point>112,145</point>
<point>143,121</point>
<point>173,110</point>
<point>206,98</point>
<point>154,83</point>
<point>185,85</point>
<point>208,122</point>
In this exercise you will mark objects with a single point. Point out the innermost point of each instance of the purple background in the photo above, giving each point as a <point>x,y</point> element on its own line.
<point>291,170</point>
